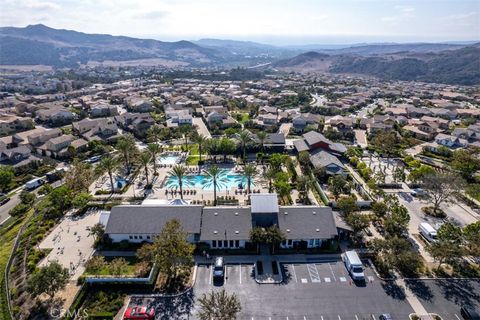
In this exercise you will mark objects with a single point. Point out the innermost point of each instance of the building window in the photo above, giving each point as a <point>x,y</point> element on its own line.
<point>130,237</point>
<point>310,242</point>
<point>214,243</point>
<point>231,244</point>
<point>225,243</point>
<point>317,242</point>
<point>148,237</point>
<point>135,237</point>
<point>140,237</point>
<point>237,243</point>
<point>290,242</point>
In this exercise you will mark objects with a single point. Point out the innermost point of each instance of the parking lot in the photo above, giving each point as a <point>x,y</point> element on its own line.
<point>316,290</point>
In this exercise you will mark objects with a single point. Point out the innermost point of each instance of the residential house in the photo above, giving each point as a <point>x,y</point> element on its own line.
<point>10,124</point>
<point>55,116</point>
<point>321,159</point>
<point>137,123</point>
<point>103,129</point>
<point>137,104</point>
<point>313,140</point>
<point>103,110</point>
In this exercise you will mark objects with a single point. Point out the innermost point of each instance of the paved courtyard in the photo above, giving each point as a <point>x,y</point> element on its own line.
<point>71,243</point>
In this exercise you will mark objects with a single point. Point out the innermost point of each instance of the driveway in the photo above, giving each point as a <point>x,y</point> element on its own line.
<point>202,128</point>
<point>361,138</point>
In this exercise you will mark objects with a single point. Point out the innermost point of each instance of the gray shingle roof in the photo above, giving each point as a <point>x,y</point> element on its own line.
<point>237,222</point>
<point>146,219</point>
<point>321,159</point>
<point>307,222</point>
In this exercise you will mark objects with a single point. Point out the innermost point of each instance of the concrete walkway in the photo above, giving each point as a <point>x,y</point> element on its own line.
<point>267,260</point>
<point>412,300</point>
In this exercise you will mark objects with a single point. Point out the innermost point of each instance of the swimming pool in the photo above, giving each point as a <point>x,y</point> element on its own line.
<point>169,158</point>
<point>231,180</point>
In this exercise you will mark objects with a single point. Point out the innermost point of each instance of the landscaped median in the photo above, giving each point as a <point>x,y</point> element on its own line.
<point>7,238</point>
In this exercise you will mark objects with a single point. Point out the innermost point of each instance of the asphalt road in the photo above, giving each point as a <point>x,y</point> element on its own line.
<point>14,200</point>
<point>446,297</point>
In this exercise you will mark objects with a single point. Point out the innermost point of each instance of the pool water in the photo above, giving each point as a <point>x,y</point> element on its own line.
<point>232,180</point>
<point>169,159</point>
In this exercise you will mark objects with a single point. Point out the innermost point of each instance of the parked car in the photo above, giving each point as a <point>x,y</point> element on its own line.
<point>93,159</point>
<point>354,265</point>
<point>34,183</point>
<point>386,316</point>
<point>3,200</point>
<point>219,268</point>
<point>417,192</point>
<point>139,313</point>
<point>469,313</point>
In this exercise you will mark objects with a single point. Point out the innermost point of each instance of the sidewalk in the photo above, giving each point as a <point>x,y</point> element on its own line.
<point>412,299</point>
<point>285,258</point>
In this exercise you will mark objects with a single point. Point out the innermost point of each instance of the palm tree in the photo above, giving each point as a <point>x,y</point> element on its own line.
<point>227,147</point>
<point>218,305</point>
<point>154,133</point>
<point>144,159</point>
<point>216,177</point>
<point>262,136</point>
<point>201,140</point>
<point>186,131</point>
<point>109,165</point>
<point>249,173</point>
<point>244,137</point>
<point>179,172</point>
<point>270,175</point>
<point>127,147</point>
<point>304,184</point>
<point>154,150</point>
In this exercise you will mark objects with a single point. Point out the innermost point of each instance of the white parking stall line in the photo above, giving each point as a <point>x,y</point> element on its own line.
<point>313,272</point>
<point>210,281</point>
<point>343,279</point>
<point>457,317</point>
<point>304,318</point>
<point>333,274</point>
<point>294,273</point>
<point>321,317</point>
<point>370,278</point>
<point>373,316</point>
<point>339,317</point>
<point>226,273</point>
<point>304,280</point>
<point>240,273</point>
<point>328,279</point>
<point>356,318</point>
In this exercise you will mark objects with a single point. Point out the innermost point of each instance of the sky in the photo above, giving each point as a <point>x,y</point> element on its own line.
<point>279,22</point>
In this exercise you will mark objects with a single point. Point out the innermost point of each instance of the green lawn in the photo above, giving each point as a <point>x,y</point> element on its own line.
<point>130,269</point>
<point>193,160</point>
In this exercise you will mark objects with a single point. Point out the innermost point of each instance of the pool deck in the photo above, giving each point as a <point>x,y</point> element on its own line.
<point>160,189</point>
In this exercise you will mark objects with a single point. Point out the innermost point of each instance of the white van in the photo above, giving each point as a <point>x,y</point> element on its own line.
<point>34,183</point>
<point>427,231</point>
<point>354,265</point>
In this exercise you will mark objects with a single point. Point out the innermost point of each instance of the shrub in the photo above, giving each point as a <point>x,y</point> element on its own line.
<point>19,210</point>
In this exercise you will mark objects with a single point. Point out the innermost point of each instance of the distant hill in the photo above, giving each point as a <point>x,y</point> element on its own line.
<point>308,60</point>
<point>391,48</point>
<point>452,66</point>
<point>39,44</point>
